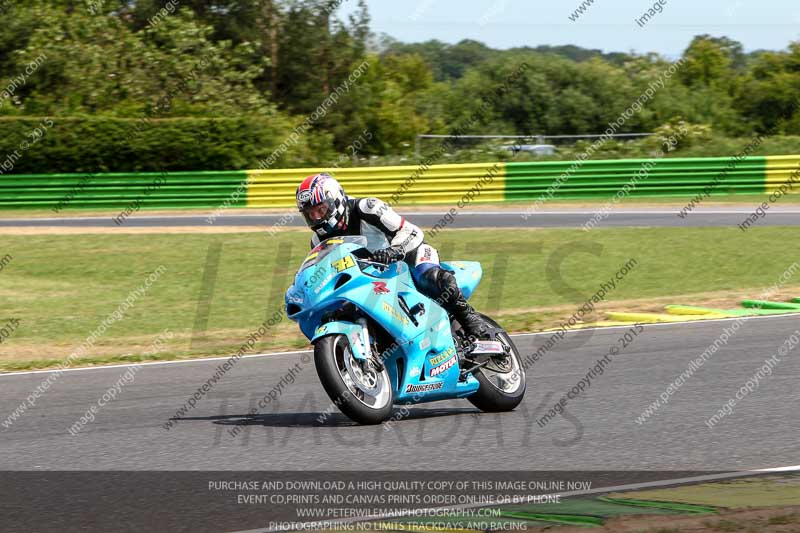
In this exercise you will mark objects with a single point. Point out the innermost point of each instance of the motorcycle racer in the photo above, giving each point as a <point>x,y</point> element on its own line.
<point>329,212</point>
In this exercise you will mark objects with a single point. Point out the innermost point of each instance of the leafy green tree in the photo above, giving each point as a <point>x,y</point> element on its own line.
<point>709,61</point>
<point>97,64</point>
<point>768,96</point>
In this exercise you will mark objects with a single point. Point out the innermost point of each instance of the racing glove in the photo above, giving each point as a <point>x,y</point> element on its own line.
<point>388,255</point>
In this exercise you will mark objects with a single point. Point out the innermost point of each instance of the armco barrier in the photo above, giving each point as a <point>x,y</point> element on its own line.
<point>780,169</point>
<point>660,177</point>
<point>436,184</point>
<point>118,190</point>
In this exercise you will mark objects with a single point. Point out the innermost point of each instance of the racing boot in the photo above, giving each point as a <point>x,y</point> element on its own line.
<point>449,295</point>
<point>469,319</point>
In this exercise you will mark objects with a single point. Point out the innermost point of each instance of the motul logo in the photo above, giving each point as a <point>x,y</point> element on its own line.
<point>380,287</point>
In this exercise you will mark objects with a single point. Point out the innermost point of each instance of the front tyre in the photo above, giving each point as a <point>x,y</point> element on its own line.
<point>502,380</point>
<point>362,393</point>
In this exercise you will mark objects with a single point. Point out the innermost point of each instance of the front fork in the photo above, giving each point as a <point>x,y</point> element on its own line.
<point>367,345</point>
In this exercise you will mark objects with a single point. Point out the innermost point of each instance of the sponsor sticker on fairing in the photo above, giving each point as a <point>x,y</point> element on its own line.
<point>444,366</point>
<point>425,387</point>
<point>379,287</point>
<point>396,314</point>
<point>324,282</point>
<point>438,358</point>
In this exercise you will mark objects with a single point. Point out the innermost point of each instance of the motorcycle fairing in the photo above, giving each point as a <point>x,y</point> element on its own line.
<point>468,275</point>
<point>424,366</point>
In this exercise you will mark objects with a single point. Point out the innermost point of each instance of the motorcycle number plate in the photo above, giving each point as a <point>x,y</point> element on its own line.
<point>488,347</point>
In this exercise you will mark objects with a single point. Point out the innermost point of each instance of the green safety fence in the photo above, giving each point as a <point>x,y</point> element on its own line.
<point>434,184</point>
<point>635,177</point>
<point>118,190</point>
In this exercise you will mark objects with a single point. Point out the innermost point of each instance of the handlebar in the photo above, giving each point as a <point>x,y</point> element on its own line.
<point>383,266</point>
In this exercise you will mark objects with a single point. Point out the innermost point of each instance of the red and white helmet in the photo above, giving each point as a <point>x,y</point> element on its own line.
<point>323,203</point>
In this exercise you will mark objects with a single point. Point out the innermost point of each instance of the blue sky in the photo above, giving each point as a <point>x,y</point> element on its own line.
<point>607,24</point>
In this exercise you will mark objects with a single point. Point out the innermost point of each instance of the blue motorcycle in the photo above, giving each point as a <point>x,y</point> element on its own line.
<point>379,342</point>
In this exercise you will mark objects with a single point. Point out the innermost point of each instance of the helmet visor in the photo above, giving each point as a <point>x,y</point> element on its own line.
<point>319,213</point>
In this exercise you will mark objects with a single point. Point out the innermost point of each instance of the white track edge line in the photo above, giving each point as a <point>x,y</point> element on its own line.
<point>269,354</point>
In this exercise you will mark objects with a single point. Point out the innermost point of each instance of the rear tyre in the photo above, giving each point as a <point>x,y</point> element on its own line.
<point>362,393</point>
<point>502,380</point>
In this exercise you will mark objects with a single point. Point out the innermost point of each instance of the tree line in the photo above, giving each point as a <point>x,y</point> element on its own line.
<point>221,84</point>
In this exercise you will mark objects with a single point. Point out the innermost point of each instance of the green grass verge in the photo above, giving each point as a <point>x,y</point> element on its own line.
<point>761,491</point>
<point>61,287</point>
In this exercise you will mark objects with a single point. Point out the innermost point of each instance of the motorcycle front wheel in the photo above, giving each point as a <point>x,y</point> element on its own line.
<point>361,392</point>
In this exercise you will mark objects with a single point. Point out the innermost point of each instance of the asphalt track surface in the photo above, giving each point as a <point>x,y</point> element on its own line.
<point>573,218</point>
<point>598,430</point>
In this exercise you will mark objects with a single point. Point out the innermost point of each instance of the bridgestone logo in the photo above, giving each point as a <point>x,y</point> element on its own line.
<point>424,388</point>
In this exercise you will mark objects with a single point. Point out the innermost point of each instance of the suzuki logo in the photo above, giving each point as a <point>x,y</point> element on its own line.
<point>380,287</point>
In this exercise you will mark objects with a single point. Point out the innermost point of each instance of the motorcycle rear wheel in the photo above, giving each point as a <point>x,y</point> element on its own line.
<point>502,380</point>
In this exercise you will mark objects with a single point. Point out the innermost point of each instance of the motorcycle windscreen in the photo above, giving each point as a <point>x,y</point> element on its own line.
<point>320,251</point>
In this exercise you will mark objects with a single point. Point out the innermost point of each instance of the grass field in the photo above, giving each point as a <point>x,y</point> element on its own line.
<point>61,287</point>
